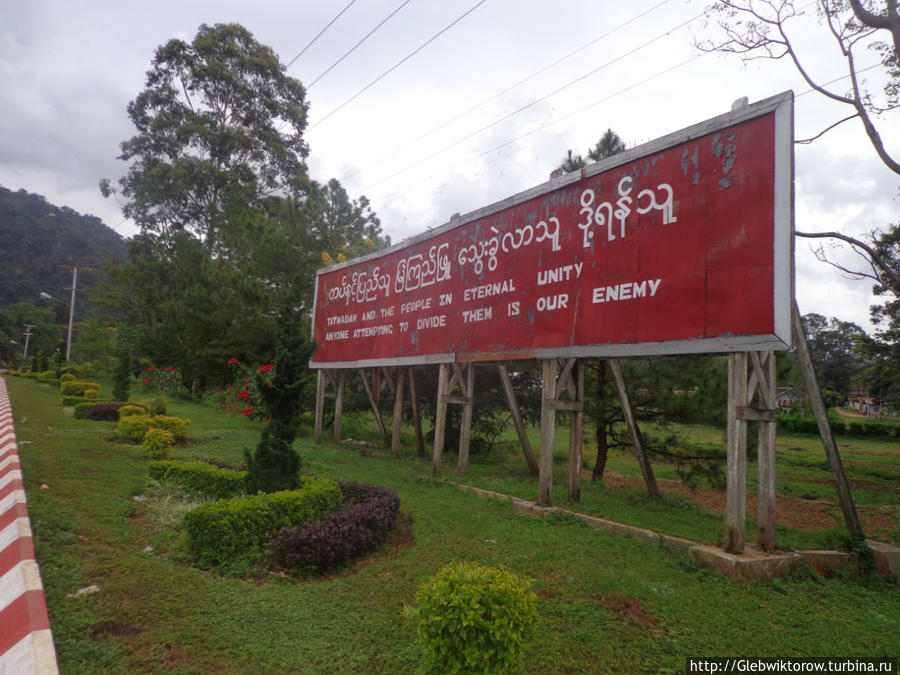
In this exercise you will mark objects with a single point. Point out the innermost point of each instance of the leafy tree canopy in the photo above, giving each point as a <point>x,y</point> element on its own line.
<point>218,123</point>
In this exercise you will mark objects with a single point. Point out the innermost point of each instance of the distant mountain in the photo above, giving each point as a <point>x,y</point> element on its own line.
<point>36,238</point>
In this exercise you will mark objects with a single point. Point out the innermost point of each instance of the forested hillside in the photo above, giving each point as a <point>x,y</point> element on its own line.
<point>36,237</point>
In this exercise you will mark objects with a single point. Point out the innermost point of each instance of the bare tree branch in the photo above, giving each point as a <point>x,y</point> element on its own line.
<point>807,141</point>
<point>883,268</point>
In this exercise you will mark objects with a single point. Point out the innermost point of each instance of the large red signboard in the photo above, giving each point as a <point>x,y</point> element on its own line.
<point>679,246</point>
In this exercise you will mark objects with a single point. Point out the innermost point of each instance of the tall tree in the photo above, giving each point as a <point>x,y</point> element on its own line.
<point>232,228</point>
<point>834,347</point>
<point>755,29</point>
<point>218,124</point>
<point>764,29</point>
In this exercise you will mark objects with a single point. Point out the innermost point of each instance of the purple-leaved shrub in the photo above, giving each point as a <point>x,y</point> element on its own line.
<point>368,516</point>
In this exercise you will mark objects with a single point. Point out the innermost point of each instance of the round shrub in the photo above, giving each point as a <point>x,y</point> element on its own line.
<point>157,443</point>
<point>66,377</point>
<point>473,618</point>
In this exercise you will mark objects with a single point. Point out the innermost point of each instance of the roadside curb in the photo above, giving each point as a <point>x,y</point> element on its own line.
<point>753,564</point>
<point>26,643</point>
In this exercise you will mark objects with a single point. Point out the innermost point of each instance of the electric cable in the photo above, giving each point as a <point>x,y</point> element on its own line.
<point>319,34</point>
<point>354,47</point>
<point>401,61</point>
<point>504,91</point>
<point>536,101</point>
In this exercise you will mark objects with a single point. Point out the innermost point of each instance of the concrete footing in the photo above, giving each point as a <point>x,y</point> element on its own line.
<point>752,564</point>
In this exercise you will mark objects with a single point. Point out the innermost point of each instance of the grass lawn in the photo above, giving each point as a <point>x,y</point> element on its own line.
<point>606,604</point>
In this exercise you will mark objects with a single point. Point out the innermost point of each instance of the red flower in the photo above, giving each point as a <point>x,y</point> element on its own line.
<point>171,369</point>
<point>146,381</point>
<point>233,362</point>
<point>247,412</point>
<point>265,369</point>
<point>243,395</point>
<point>150,369</point>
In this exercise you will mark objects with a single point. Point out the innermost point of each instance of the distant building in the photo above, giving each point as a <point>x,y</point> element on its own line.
<point>788,397</point>
<point>862,402</point>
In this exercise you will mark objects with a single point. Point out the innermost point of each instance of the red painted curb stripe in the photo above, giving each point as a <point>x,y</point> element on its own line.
<point>24,615</point>
<point>21,549</point>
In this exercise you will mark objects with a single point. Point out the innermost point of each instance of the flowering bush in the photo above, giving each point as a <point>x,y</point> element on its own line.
<point>165,381</point>
<point>242,395</point>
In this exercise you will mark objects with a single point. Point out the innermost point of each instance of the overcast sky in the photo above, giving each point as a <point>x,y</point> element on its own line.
<point>485,110</point>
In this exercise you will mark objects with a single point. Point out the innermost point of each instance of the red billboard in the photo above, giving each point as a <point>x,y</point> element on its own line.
<point>682,245</point>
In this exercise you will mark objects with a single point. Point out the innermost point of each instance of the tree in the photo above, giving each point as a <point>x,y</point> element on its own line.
<point>763,29</point>
<point>755,29</point>
<point>219,124</point>
<point>608,145</point>
<point>834,347</point>
<point>232,228</point>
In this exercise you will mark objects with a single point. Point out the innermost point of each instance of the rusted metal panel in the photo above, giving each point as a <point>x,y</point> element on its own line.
<point>679,246</point>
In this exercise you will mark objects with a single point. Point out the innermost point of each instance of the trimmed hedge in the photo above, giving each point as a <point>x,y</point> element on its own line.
<point>808,426</point>
<point>201,478</point>
<point>134,427</point>
<point>222,530</point>
<point>103,412</point>
<point>132,409</point>
<point>83,407</point>
<point>76,388</point>
<point>368,518</point>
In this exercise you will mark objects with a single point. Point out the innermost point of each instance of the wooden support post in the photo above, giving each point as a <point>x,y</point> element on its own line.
<point>417,418</point>
<point>851,518</point>
<point>517,420</point>
<point>576,432</point>
<point>338,405</point>
<point>764,365</point>
<point>398,413</point>
<point>440,417</point>
<point>374,404</point>
<point>736,472</point>
<point>548,429</point>
<point>636,438</point>
<point>320,403</point>
<point>465,425</point>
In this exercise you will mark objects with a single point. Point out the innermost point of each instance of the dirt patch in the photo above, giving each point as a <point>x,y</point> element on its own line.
<point>793,512</point>
<point>629,609</point>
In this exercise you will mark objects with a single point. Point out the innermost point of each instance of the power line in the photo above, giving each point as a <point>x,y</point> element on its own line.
<point>548,124</point>
<point>504,91</point>
<point>319,34</point>
<point>578,112</point>
<point>535,101</point>
<point>402,61</point>
<point>354,47</point>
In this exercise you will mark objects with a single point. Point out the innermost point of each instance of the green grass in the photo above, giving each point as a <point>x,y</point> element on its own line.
<point>606,604</point>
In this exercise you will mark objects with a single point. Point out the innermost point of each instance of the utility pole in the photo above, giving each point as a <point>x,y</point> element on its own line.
<point>71,313</point>
<point>27,334</point>
<point>72,306</point>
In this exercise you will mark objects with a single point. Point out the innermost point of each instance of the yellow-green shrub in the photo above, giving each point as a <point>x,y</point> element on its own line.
<point>134,427</point>
<point>77,388</point>
<point>157,443</point>
<point>127,410</point>
<point>472,619</point>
